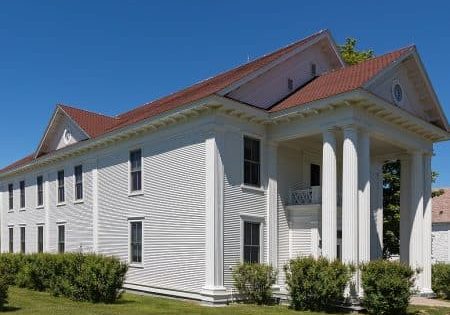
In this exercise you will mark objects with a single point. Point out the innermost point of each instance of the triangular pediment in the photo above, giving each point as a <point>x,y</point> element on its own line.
<point>268,86</point>
<point>61,132</point>
<point>406,85</point>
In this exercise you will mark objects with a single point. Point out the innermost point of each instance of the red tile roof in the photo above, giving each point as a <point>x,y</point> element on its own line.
<point>441,207</point>
<point>332,83</point>
<point>340,81</point>
<point>92,123</point>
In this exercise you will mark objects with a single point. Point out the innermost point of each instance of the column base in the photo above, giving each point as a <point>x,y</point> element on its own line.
<point>215,296</point>
<point>427,293</point>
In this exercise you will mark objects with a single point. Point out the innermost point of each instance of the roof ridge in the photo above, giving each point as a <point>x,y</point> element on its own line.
<point>63,106</point>
<point>235,68</point>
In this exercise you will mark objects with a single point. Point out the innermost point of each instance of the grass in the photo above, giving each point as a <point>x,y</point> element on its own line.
<point>39,303</point>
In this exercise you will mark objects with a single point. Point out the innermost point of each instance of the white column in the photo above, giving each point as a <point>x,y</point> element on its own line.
<point>214,291</point>
<point>364,197</point>
<point>350,204</point>
<point>47,186</point>
<point>427,224</point>
<point>272,203</point>
<point>329,196</point>
<point>350,196</point>
<point>95,205</point>
<point>376,196</point>
<point>405,191</point>
<point>416,215</point>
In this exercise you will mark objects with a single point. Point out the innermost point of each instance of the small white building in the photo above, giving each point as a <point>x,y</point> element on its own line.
<point>276,158</point>
<point>441,227</point>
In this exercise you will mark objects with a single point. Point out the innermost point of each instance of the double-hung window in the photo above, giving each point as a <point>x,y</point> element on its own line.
<point>40,191</point>
<point>11,239</point>
<point>40,239</point>
<point>136,170</point>
<point>136,242</point>
<point>252,239</point>
<point>78,182</point>
<point>22,194</point>
<point>11,196</point>
<point>252,162</point>
<point>61,238</point>
<point>61,192</point>
<point>22,239</point>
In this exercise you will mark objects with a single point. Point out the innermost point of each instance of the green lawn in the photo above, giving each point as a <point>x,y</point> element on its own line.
<point>37,303</point>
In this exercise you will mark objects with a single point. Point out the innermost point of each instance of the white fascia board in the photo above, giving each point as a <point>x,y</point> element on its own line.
<point>50,125</point>
<point>111,136</point>
<point>401,112</point>
<point>274,63</point>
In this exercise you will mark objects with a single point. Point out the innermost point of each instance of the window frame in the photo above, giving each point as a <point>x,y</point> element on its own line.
<point>140,191</point>
<point>11,239</point>
<point>39,244</point>
<point>22,195</point>
<point>78,185</point>
<point>22,234</point>
<point>59,187</point>
<point>39,193</point>
<point>130,244</point>
<point>11,197</point>
<point>59,226</point>
<point>257,220</point>
<point>261,158</point>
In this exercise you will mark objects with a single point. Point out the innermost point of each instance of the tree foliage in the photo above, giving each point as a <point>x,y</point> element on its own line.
<point>352,56</point>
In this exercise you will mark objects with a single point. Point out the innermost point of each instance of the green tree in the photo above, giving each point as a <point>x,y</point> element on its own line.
<point>352,56</point>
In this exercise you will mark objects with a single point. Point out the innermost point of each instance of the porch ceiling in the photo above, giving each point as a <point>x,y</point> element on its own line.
<point>378,147</point>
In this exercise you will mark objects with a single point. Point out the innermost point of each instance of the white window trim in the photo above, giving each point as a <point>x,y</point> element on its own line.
<point>130,263</point>
<point>254,219</point>
<point>58,224</point>
<point>136,192</point>
<point>43,192</point>
<point>260,188</point>
<point>10,210</point>
<point>62,203</point>
<point>75,200</point>
<point>38,225</point>
<point>24,195</point>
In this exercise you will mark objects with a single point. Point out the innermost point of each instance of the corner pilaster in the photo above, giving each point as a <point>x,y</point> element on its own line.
<point>214,292</point>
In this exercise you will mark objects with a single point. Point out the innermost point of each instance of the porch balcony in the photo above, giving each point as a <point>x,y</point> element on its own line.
<point>308,196</point>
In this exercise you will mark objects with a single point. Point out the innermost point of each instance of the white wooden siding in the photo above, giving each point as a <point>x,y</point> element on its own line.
<point>78,216</point>
<point>172,207</point>
<point>272,86</point>
<point>441,242</point>
<point>238,201</point>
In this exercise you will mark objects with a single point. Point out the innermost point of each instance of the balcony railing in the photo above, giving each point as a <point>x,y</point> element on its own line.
<point>309,196</point>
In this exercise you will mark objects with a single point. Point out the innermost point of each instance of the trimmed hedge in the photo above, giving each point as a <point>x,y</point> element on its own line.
<point>441,280</point>
<point>316,284</point>
<point>81,277</point>
<point>3,292</point>
<point>387,285</point>
<point>254,282</point>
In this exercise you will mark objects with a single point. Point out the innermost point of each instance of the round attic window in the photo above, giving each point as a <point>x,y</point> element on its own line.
<point>67,136</point>
<point>397,92</point>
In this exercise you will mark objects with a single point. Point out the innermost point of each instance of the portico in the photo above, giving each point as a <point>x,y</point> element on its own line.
<point>351,150</point>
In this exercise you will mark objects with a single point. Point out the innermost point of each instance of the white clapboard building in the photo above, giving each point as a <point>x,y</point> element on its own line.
<point>277,158</point>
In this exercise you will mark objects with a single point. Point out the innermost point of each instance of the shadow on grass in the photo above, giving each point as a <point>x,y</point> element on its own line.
<point>123,302</point>
<point>9,309</point>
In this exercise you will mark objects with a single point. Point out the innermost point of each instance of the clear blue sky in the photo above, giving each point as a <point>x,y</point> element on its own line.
<point>110,56</point>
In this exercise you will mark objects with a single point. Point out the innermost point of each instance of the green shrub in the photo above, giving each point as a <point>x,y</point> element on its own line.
<point>387,285</point>
<point>10,265</point>
<point>316,284</point>
<point>81,277</point>
<point>254,282</point>
<point>441,280</point>
<point>3,291</point>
